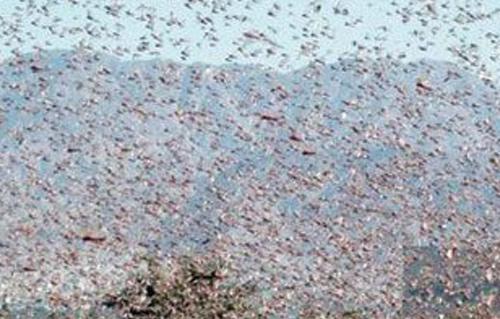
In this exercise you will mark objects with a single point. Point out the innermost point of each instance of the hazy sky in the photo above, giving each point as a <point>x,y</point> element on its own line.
<point>65,23</point>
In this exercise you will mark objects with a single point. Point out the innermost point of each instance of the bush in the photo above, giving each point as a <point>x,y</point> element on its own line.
<point>193,289</point>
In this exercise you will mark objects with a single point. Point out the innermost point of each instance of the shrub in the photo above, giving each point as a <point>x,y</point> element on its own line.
<point>193,289</point>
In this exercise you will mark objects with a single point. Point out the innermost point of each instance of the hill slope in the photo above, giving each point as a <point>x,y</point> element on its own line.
<point>314,181</point>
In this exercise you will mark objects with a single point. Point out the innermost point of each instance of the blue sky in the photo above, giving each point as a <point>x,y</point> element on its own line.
<point>372,23</point>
